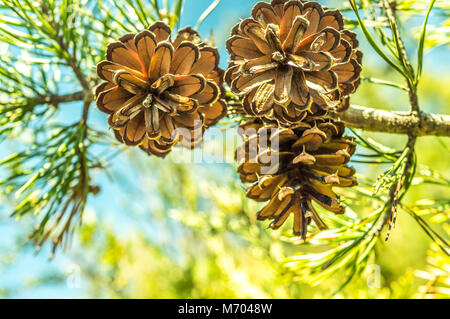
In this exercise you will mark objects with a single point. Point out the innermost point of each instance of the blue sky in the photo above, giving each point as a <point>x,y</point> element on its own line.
<point>220,21</point>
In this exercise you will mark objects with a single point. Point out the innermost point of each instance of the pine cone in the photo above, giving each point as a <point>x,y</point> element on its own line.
<point>155,87</point>
<point>291,55</point>
<point>291,168</point>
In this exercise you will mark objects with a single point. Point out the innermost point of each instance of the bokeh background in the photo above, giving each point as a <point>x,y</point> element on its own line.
<point>167,229</point>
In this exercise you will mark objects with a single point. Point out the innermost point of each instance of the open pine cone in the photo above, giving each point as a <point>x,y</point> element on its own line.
<point>159,91</point>
<point>311,159</point>
<point>291,55</point>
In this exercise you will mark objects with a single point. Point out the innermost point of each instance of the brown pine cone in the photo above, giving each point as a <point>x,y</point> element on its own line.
<point>160,92</point>
<point>289,56</point>
<point>291,168</point>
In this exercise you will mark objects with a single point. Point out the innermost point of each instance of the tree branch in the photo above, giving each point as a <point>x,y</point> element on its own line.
<point>376,120</point>
<point>73,97</point>
<point>361,117</point>
<point>55,100</point>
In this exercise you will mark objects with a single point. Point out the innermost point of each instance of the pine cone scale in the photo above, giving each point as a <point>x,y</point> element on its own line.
<point>161,31</point>
<point>145,45</point>
<point>284,42</point>
<point>295,35</point>
<point>185,56</point>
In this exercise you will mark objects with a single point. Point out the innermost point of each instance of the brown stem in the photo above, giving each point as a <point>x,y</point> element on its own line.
<point>56,99</point>
<point>403,55</point>
<point>87,104</point>
<point>365,118</point>
<point>375,120</point>
<point>75,66</point>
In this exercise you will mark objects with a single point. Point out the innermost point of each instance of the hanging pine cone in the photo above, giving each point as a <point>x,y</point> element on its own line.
<point>156,85</point>
<point>291,55</point>
<point>291,168</point>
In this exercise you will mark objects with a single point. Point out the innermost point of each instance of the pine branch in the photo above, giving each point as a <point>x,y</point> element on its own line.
<point>58,99</point>
<point>401,186</point>
<point>375,120</point>
<point>361,117</point>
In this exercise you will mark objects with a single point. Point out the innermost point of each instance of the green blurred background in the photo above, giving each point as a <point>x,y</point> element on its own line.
<point>165,229</point>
